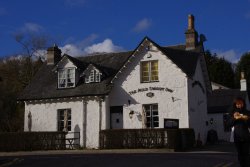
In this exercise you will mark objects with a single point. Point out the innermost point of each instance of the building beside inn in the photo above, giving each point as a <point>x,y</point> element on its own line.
<point>220,103</point>
<point>150,87</point>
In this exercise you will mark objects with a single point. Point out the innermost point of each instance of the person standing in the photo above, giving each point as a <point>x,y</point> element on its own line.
<point>240,121</point>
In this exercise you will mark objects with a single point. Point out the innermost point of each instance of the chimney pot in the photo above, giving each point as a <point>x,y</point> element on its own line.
<point>190,22</point>
<point>242,75</point>
<point>243,82</point>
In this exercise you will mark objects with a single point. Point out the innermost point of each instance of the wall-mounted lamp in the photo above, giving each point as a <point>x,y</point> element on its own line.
<point>211,121</point>
<point>131,113</point>
<point>129,102</point>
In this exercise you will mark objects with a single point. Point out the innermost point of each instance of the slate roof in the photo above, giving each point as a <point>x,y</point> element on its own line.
<point>185,60</point>
<point>44,83</point>
<point>221,100</point>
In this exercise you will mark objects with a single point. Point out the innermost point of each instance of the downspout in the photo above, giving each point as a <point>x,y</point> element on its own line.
<point>100,118</point>
<point>84,123</point>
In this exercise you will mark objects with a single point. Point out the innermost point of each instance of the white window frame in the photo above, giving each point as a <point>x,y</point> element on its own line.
<point>152,115</point>
<point>149,71</point>
<point>64,115</point>
<point>94,76</point>
<point>65,78</point>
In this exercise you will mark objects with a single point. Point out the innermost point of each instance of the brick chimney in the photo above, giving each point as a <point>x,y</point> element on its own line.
<point>243,82</point>
<point>53,55</point>
<point>191,34</point>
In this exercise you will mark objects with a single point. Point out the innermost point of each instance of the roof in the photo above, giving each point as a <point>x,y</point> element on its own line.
<point>221,100</point>
<point>44,83</point>
<point>185,60</point>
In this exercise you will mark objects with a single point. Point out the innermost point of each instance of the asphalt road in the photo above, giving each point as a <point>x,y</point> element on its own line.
<point>124,160</point>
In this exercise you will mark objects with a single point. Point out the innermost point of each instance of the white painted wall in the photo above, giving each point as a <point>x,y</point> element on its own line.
<point>45,118</point>
<point>170,76</point>
<point>92,140</point>
<point>198,104</point>
<point>45,115</point>
<point>218,126</point>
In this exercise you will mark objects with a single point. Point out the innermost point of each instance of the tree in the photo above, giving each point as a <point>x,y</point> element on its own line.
<point>13,81</point>
<point>219,70</point>
<point>32,43</point>
<point>243,66</point>
<point>15,74</point>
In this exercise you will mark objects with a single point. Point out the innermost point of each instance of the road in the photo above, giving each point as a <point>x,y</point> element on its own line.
<point>124,160</point>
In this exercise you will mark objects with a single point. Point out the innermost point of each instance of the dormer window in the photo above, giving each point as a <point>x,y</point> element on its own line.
<point>66,78</point>
<point>94,76</point>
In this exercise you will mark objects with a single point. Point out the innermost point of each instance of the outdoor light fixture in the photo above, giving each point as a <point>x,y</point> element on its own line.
<point>131,113</point>
<point>211,121</point>
<point>129,102</point>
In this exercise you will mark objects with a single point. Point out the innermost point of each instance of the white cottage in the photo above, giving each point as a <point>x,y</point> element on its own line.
<point>220,103</point>
<point>150,87</point>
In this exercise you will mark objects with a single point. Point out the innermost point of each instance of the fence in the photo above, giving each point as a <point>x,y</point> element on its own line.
<point>72,140</point>
<point>178,139</point>
<point>29,141</point>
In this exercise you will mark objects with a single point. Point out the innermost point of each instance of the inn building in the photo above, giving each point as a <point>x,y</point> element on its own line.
<point>150,87</point>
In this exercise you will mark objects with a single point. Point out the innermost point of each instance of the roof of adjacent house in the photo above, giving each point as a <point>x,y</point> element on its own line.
<point>44,83</point>
<point>221,100</point>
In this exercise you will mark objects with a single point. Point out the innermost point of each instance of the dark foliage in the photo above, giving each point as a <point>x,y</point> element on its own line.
<point>15,74</point>
<point>220,70</point>
<point>243,66</point>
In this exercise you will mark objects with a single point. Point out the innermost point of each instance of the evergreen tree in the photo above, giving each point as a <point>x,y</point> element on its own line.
<point>220,70</point>
<point>243,66</point>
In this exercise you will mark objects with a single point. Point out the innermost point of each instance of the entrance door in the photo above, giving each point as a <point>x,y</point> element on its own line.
<point>116,117</point>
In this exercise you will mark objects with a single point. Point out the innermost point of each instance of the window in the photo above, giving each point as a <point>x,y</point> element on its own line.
<point>149,71</point>
<point>66,78</point>
<point>94,76</point>
<point>152,117</point>
<point>64,120</point>
<point>171,123</point>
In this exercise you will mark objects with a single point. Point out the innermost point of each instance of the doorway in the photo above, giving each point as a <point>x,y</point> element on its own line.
<point>116,117</point>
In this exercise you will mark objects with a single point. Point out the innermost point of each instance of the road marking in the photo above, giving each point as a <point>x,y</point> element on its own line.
<point>228,164</point>
<point>224,164</point>
<point>11,162</point>
<point>219,165</point>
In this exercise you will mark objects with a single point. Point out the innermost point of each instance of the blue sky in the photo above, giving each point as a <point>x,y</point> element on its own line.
<point>85,26</point>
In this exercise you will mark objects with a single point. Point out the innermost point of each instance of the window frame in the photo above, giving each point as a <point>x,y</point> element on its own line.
<point>152,116</point>
<point>150,71</point>
<point>61,118</point>
<point>64,74</point>
<point>93,77</point>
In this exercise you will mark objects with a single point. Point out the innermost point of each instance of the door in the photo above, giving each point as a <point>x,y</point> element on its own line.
<point>116,117</point>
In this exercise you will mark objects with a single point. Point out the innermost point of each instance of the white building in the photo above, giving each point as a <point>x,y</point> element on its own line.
<point>220,103</point>
<point>150,87</point>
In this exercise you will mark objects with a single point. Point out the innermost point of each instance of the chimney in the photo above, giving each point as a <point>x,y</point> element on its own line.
<point>53,55</point>
<point>243,82</point>
<point>191,34</point>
